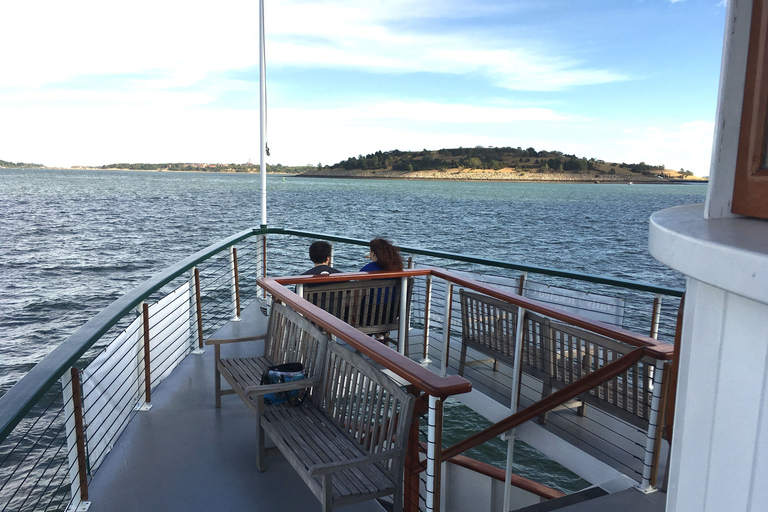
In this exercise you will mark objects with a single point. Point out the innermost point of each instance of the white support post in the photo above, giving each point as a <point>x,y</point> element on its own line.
<point>233,282</point>
<point>431,466</point>
<point>446,327</point>
<point>656,316</point>
<point>513,402</point>
<point>427,310</point>
<point>300,290</point>
<point>402,328</point>
<point>653,420</point>
<point>261,264</point>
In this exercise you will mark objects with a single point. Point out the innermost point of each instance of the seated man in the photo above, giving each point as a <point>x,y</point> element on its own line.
<point>320,254</point>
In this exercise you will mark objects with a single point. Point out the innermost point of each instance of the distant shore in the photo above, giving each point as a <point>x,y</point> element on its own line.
<point>502,175</point>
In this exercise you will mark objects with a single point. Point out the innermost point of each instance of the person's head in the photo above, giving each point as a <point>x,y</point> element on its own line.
<point>320,252</point>
<point>385,254</point>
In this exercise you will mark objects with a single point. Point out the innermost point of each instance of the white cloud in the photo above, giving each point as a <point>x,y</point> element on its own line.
<point>58,41</point>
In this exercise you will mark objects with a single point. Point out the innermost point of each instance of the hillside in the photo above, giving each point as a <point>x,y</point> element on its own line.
<point>19,165</point>
<point>491,163</point>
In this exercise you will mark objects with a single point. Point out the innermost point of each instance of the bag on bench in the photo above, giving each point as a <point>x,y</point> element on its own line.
<point>280,373</point>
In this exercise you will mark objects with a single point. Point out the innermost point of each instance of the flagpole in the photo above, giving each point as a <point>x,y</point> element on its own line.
<point>262,115</point>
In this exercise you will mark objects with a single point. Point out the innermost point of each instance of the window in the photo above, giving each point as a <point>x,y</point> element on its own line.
<point>750,190</point>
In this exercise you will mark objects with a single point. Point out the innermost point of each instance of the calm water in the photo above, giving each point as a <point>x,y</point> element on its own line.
<point>71,242</point>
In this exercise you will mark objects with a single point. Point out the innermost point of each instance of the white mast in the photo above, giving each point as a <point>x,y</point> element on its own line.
<point>262,115</point>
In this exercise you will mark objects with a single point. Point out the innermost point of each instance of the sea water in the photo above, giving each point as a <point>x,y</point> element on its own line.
<point>73,241</point>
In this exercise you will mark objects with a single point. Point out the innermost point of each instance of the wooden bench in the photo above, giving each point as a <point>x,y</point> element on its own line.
<point>557,354</point>
<point>288,337</point>
<point>371,306</point>
<point>347,440</point>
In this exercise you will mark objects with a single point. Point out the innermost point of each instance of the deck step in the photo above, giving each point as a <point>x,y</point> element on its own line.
<point>565,501</point>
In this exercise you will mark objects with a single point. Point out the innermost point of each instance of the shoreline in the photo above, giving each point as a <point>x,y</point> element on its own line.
<point>498,176</point>
<point>433,175</point>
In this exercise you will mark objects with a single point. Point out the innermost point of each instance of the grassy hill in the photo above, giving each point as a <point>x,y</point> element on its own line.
<point>510,160</point>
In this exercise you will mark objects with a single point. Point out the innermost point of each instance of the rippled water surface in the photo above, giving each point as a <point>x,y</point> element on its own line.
<point>73,241</point>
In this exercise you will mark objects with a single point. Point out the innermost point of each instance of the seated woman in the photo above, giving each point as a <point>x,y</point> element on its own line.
<point>384,256</point>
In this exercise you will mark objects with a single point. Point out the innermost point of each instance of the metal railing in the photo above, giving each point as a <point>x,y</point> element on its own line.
<point>60,420</point>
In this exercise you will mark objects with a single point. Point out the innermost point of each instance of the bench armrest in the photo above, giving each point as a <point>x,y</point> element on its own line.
<point>332,467</point>
<point>260,389</point>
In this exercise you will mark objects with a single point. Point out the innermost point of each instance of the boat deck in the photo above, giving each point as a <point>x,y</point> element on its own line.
<point>186,455</point>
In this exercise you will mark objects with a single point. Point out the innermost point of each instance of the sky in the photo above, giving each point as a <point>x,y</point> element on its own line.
<point>90,83</point>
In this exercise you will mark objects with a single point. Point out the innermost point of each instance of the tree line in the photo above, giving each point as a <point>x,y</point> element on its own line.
<point>3,163</point>
<point>479,157</point>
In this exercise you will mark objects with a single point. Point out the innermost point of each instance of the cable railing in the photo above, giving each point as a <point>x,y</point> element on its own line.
<point>57,425</point>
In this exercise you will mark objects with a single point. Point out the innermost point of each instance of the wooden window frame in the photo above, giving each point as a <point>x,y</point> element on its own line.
<point>750,190</point>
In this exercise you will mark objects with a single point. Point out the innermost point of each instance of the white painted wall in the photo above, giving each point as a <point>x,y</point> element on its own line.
<point>719,457</point>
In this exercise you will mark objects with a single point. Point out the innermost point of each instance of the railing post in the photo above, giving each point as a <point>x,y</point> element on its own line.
<point>199,309</point>
<point>147,369</point>
<point>402,328</point>
<point>517,372</point>
<point>77,403</point>
<point>446,327</point>
<point>655,316</point>
<point>653,424</point>
<point>413,465</point>
<point>235,281</point>
<point>427,311</point>
<point>264,261</point>
<point>434,452</point>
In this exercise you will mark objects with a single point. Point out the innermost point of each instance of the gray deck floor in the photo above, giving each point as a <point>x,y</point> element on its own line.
<point>186,455</point>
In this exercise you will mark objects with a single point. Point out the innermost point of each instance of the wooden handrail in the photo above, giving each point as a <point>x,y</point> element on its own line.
<point>654,348</point>
<point>518,481</point>
<point>485,469</point>
<point>570,391</point>
<point>423,379</point>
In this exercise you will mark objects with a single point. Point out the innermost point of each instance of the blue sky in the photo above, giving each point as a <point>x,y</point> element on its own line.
<point>89,82</point>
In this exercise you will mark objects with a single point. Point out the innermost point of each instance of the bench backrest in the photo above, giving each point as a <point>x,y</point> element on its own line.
<point>371,306</point>
<point>558,354</point>
<point>291,338</point>
<point>488,325</point>
<point>371,408</point>
<point>577,353</point>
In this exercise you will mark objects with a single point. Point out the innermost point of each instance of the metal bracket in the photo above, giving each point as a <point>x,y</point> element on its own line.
<point>198,351</point>
<point>83,506</point>
<point>142,407</point>
<point>648,489</point>
<point>425,362</point>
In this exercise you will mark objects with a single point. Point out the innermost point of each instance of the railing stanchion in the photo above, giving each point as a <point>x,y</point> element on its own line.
<point>517,371</point>
<point>264,261</point>
<point>147,369</point>
<point>660,428</point>
<point>77,403</point>
<point>427,311</point>
<point>446,327</point>
<point>434,446</point>
<point>403,325</point>
<point>413,457</point>
<point>235,280</point>
<point>199,307</point>
<point>653,424</point>
<point>655,316</point>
